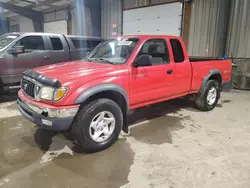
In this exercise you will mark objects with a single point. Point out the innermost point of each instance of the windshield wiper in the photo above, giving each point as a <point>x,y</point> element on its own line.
<point>89,60</point>
<point>107,61</point>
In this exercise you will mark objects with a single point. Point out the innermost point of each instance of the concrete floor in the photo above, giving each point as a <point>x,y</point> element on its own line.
<point>171,145</point>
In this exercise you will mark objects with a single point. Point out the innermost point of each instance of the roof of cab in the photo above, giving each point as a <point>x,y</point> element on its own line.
<point>146,36</point>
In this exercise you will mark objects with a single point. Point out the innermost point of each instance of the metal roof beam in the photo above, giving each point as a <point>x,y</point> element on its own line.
<point>29,13</point>
<point>36,16</point>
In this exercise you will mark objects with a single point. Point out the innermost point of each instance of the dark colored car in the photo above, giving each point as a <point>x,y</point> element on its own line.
<point>21,51</point>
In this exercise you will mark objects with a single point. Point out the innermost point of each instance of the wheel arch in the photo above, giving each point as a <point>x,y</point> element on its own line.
<point>213,75</point>
<point>110,91</point>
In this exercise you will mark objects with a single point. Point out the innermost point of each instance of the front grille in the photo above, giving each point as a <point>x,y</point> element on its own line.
<point>28,87</point>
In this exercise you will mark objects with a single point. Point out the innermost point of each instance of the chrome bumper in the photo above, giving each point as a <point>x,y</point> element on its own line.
<point>51,113</point>
<point>52,119</point>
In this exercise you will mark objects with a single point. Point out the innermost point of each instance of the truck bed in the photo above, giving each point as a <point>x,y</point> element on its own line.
<point>202,68</point>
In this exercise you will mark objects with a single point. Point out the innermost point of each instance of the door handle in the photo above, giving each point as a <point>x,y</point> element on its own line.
<point>170,71</point>
<point>46,57</point>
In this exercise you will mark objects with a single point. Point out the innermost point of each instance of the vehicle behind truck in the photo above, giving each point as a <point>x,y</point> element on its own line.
<point>22,51</point>
<point>91,97</point>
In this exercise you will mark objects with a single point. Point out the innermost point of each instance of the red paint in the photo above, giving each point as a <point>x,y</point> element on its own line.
<point>144,85</point>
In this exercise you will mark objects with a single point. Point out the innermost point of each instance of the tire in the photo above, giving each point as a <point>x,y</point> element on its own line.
<point>202,101</point>
<point>83,130</point>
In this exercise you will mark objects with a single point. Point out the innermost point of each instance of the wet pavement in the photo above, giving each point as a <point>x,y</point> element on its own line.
<point>170,145</point>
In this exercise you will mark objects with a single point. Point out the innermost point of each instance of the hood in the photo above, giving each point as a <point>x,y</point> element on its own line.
<point>80,70</point>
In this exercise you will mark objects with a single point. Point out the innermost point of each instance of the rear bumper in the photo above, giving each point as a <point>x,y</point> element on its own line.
<point>53,119</point>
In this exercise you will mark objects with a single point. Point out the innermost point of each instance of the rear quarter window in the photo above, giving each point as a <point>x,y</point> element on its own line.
<point>56,43</point>
<point>177,50</point>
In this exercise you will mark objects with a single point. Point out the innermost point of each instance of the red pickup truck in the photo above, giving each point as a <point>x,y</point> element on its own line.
<point>91,97</point>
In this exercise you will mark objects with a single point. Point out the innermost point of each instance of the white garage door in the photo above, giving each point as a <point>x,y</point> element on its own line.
<point>58,27</point>
<point>155,20</point>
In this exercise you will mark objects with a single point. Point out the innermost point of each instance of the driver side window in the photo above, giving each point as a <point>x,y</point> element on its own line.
<point>157,48</point>
<point>31,43</point>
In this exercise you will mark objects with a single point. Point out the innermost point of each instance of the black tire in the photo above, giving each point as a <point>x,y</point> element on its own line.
<point>81,125</point>
<point>201,101</point>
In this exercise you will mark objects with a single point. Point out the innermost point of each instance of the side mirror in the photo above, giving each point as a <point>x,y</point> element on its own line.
<point>143,61</point>
<point>17,50</point>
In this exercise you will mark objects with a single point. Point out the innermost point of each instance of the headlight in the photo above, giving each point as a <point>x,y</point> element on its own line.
<point>52,94</point>
<point>47,93</point>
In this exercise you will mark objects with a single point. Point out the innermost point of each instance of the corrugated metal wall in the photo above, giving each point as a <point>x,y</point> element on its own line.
<point>208,26</point>
<point>238,42</point>
<point>86,18</point>
<point>135,3</point>
<point>111,13</point>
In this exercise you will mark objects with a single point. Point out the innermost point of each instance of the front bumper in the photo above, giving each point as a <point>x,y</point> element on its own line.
<point>56,119</point>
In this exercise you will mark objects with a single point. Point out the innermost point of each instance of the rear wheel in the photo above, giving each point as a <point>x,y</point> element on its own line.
<point>208,98</point>
<point>98,125</point>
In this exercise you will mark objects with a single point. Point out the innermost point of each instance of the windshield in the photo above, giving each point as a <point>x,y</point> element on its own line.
<point>6,39</point>
<point>113,51</point>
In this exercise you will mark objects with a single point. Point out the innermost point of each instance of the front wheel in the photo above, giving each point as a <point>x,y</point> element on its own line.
<point>98,125</point>
<point>208,98</point>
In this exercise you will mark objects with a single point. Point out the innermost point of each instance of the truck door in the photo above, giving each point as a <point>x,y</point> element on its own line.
<point>183,69</point>
<point>58,49</point>
<point>33,56</point>
<point>152,82</point>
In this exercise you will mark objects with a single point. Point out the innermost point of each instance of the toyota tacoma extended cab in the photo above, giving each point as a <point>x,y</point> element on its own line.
<point>91,97</point>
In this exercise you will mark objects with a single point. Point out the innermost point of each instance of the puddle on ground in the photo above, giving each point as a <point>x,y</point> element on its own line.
<point>17,146</point>
<point>157,131</point>
<point>158,126</point>
<point>109,168</point>
<point>25,145</point>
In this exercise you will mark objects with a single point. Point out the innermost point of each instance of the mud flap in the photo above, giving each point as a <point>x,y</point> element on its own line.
<point>226,87</point>
<point>125,124</point>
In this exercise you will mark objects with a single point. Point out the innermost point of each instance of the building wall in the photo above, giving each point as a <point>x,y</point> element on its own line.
<point>238,40</point>
<point>213,31</point>
<point>4,26</point>
<point>86,18</point>
<point>208,27</point>
<point>111,13</point>
<point>139,3</point>
<point>56,22</point>
<point>25,24</point>
<point>55,16</point>
<point>112,10</point>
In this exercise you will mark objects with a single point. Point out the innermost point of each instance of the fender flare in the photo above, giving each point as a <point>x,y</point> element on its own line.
<point>205,80</point>
<point>100,88</point>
